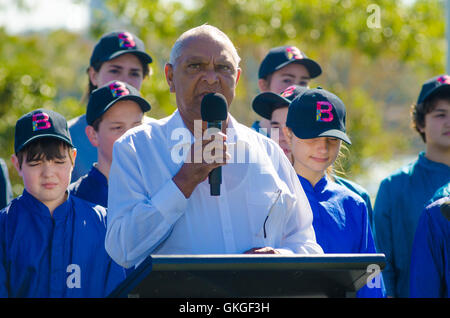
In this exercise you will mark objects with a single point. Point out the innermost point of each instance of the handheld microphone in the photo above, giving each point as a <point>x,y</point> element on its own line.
<point>214,110</point>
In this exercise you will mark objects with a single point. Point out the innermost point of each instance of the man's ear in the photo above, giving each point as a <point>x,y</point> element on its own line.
<point>16,164</point>
<point>168,70</point>
<point>92,135</point>
<point>263,85</point>
<point>93,74</point>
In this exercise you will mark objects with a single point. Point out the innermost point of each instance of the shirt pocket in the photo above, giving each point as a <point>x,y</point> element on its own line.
<point>263,214</point>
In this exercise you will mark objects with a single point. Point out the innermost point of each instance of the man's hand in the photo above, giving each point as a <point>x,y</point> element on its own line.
<point>204,156</point>
<point>262,250</point>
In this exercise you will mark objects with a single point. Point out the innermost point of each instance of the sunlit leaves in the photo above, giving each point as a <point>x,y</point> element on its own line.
<point>375,55</point>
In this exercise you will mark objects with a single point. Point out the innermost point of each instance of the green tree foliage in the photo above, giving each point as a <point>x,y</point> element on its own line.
<point>375,56</point>
<point>38,70</point>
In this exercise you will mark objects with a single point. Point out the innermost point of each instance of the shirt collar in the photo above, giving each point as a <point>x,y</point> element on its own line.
<point>424,161</point>
<point>175,121</point>
<point>36,206</point>
<point>307,186</point>
<point>238,132</point>
<point>97,175</point>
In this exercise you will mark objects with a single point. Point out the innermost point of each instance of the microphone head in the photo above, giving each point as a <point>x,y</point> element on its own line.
<point>214,107</point>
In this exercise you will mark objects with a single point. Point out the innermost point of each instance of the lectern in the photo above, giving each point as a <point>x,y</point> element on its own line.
<point>223,276</point>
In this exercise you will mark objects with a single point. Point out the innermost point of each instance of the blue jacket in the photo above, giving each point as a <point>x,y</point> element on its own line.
<point>430,260</point>
<point>359,190</point>
<point>400,201</point>
<point>59,256</point>
<point>341,223</point>
<point>92,187</point>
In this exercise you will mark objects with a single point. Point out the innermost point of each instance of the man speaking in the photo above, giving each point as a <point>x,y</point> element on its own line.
<point>159,205</point>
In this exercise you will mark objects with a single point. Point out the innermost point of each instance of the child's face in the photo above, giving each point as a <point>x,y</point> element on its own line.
<point>292,74</point>
<point>437,125</point>
<point>313,156</point>
<point>126,68</point>
<point>122,116</point>
<point>47,180</point>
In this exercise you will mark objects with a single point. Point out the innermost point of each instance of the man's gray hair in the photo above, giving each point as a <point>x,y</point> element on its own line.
<point>204,29</point>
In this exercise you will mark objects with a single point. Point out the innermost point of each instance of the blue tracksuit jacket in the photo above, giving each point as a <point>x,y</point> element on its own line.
<point>55,256</point>
<point>340,221</point>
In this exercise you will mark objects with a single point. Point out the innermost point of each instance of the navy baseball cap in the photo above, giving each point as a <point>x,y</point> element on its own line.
<point>434,86</point>
<point>265,103</point>
<point>114,44</point>
<point>40,123</point>
<point>105,97</point>
<point>317,113</point>
<point>279,57</point>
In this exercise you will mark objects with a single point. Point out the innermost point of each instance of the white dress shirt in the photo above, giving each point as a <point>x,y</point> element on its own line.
<point>261,203</point>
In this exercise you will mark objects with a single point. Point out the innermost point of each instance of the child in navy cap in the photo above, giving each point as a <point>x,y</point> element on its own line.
<point>315,128</point>
<point>282,67</point>
<point>51,243</point>
<point>111,111</point>
<point>274,107</point>
<point>118,55</point>
<point>402,195</point>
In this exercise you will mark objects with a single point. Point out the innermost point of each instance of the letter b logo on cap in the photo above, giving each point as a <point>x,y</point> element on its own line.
<point>40,121</point>
<point>445,79</point>
<point>324,111</point>
<point>294,53</point>
<point>288,91</point>
<point>118,89</point>
<point>126,40</point>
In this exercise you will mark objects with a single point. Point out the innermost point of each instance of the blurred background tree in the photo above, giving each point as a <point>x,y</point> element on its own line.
<point>375,55</point>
